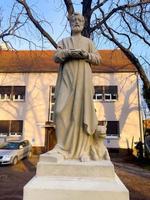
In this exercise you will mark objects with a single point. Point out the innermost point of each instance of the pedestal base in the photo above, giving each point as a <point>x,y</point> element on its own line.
<point>75,180</point>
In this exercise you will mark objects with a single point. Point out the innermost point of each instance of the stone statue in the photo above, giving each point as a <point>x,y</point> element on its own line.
<point>77,131</point>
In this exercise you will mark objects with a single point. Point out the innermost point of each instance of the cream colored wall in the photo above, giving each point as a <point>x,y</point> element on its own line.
<point>34,111</point>
<point>125,110</point>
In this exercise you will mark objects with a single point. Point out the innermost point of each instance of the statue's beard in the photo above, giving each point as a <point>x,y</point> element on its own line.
<point>77,29</point>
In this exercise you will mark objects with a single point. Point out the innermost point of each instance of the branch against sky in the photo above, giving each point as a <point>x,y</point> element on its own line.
<point>69,7</point>
<point>14,24</point>
<point>36,22</point>
<point>108,32</point>
<point>101,17</point>
<point>125,23</point>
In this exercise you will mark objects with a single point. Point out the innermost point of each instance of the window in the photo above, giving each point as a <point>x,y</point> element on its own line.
<point>4,127</point>
<point>5,93</point>
<point>52,102</point>
<point>14,93</point>
<point>112,128</point>
<point>11,127</point>
<point>18,93</point>
<point>98,93</point>
<point>106,93</point>
<point>107,97</point>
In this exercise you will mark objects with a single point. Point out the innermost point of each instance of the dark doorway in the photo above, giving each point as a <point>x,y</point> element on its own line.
<point>50,136</point>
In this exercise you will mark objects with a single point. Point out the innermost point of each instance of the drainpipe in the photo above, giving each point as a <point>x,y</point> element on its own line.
<point>140,117</point>
<point>49,98</point>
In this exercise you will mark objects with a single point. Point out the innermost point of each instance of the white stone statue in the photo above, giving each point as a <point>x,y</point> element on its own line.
<point>77,131</point>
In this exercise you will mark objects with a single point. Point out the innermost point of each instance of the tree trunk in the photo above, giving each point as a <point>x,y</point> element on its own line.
<point>86,12</point>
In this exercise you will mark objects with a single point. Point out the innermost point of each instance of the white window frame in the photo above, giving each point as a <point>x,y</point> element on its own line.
<point>18,99</point>
<point>115,98</point>
<point>51,114</point>
<point>98,95</point>
<point>51,103</point>
<point>9,132</point>
<point>5,98</point>
<point>11,97</point>
<point>15,134</point>
<point>103,95</point>
<point>109,95</point>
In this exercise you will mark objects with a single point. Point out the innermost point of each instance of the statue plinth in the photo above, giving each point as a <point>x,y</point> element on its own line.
<point>74,180</point>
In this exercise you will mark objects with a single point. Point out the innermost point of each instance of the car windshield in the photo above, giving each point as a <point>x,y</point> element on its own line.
<point>10,145</point>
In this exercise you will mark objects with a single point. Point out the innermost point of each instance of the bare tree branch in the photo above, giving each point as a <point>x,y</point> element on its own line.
<point>86,10</point>
<point>129,54</point>
<point>133,32</point>
<point>113,11</point>
<point>12,25</point>
<point>98,5</point>
<point>141,21</point>
<point>69,6</point>
<point>36,23</point>
<point>123,34</point>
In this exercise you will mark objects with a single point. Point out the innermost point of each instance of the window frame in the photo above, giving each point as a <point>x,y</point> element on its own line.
<point>104,89</point>
<point>52,102</point>
<point>10,127</point>
<point>12,93</point>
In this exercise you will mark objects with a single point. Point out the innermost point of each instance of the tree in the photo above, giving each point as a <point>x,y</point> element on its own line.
<point>122,22</point>
<point>14,24</point>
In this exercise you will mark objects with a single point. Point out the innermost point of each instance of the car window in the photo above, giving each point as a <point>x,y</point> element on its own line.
<point>10,145</point>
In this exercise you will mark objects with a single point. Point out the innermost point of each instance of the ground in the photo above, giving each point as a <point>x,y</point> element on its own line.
<point>133,174</point>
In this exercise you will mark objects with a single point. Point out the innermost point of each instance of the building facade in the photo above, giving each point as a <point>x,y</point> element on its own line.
<point>27,86</point>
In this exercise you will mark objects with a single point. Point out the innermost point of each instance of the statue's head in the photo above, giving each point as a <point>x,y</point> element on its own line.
<point>76,22</point>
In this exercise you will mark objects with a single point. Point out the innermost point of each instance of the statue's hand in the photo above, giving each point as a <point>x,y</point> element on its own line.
<point>75,53</point>
<point>78,54</point>
<point>84,54</point>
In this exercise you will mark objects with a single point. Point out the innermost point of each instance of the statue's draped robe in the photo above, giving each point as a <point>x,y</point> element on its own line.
<point>74,114</point>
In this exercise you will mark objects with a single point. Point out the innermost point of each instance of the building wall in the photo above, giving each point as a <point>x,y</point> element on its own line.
<point>34,110</point>
<point>125,109</point>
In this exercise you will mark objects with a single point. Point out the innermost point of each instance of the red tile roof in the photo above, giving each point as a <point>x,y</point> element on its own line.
<point>42,61</point>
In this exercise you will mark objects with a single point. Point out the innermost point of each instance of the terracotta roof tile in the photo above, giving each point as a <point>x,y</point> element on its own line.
<point>42,61</point>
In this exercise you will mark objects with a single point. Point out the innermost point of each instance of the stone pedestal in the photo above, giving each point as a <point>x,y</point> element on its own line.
<point>74,180</point>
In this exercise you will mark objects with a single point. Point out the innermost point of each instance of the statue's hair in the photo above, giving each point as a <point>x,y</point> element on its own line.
<point>70,18</point>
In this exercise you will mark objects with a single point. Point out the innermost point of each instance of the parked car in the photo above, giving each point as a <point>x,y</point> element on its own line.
<point>13,151</point>
<point>147,146</point>
<point>138,150</point>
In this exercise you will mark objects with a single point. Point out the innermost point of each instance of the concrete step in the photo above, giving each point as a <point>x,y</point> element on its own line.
<point>75,168</point>
<point>75,188</point>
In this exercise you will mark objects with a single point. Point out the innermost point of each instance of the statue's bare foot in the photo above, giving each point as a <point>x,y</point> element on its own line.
<point>58,151</point>
<point>84,158</point>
